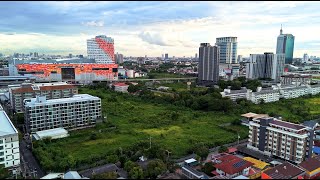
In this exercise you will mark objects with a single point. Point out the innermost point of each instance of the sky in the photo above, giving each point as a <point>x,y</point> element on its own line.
<point>153,28</point>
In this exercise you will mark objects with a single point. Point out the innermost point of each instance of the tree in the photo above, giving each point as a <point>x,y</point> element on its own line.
<point>136,173</point>
<point>4,173</point>
<point>112,159</point>
<point>129,165</point>
<point>155,168</point>
<point>261,101</point>
<point>132,88</point>
<point>93,136</point>
<point>202,151</point>
<point>223,149</point>
<point>151,76</point>
<point>208,168</point>
<point>71,161</point>
<point>236,85</point>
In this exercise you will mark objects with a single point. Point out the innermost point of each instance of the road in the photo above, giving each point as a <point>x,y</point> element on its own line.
<point>29,163</point>
<point>160,79</point>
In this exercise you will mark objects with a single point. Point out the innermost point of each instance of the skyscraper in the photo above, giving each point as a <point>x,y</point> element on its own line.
<point>305,57</point>
<point>228,49</point>
<point>267,65</point>
<point>196,56</point>
<point>101,48</point>
<point>285,44</point>
<point>208,69</point>
<point>166,56</point>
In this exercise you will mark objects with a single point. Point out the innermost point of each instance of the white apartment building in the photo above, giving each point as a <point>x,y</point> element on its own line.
<point>269,95</point>
<point>9,143</point>
<point>101,49</point>
<point>56,90</point>
<point>235,94</point>
<point>272,94</point>
<point>274,137</point>
<point>81,110</point>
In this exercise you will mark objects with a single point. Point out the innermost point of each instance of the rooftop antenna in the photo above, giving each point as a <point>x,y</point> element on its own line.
<point>281,29</point>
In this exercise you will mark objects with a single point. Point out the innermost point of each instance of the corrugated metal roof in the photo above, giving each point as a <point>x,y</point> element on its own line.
<point>6,126</point>
<point>52,132</point>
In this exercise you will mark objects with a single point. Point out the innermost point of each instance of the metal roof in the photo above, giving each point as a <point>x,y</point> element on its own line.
<point>72,175</point>
<point>75,98</point>
<point>51,133</point>
<point>190,160</point>
<point>6,128</point>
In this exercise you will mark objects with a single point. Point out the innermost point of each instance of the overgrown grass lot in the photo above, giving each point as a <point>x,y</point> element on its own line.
<point>185,123</point>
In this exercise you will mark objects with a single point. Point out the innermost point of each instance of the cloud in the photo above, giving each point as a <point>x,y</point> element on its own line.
<point>154,38</point>
<point>94,23</point>
<point>154,28</point>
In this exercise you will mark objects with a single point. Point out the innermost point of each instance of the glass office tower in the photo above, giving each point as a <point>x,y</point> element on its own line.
<point>285,45</point>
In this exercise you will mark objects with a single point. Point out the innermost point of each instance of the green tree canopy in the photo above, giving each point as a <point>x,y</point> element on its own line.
<point>155,168</point>
<point>4,173</point>
<point>136,173</point>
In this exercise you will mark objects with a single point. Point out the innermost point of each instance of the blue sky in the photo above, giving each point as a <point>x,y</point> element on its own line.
<point>156,27</point>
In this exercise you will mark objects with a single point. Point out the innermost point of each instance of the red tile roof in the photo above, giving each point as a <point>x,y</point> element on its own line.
<point>311,164</point>
<point>284,171</point>
<point>231,164</point>
<point>120,84</point>
<point>232,149</point>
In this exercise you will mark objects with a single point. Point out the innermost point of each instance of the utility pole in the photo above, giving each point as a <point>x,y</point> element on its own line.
<point>34,172</point>
<point>168,155</point>
<point>238,138</point>
<point>150,142</point>
<point>120,150</point>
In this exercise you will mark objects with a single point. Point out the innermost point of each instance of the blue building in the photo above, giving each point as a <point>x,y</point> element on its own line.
<point>228,49</point>
<point>285,45</point>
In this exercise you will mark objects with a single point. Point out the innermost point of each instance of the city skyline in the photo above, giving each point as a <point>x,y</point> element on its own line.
<point>155,28</point>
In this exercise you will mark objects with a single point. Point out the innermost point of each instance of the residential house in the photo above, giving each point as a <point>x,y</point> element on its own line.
<point>232,166</point>
<point>283,171</point>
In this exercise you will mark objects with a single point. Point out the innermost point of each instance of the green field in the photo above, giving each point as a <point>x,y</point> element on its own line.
<point>314,105</point>
<point>131,119</point>
<point>137,121</point>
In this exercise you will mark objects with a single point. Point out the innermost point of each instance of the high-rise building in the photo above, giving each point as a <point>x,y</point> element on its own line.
<point>267,65</point>
<point>289,141</point>
<point>118,58</point>
<point>166,56</point>
<point>101,48</point>
<point>70,55</point>
<point>228,49</point>
<point>239,58</point>
<point>196,56</point>
<point>17,93</point>
<point>305,57</point>
<point>285,44</point>
<point>162,56</point>
<point>81,110</point>
<point>9,142</point>
<point>208,68</point>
